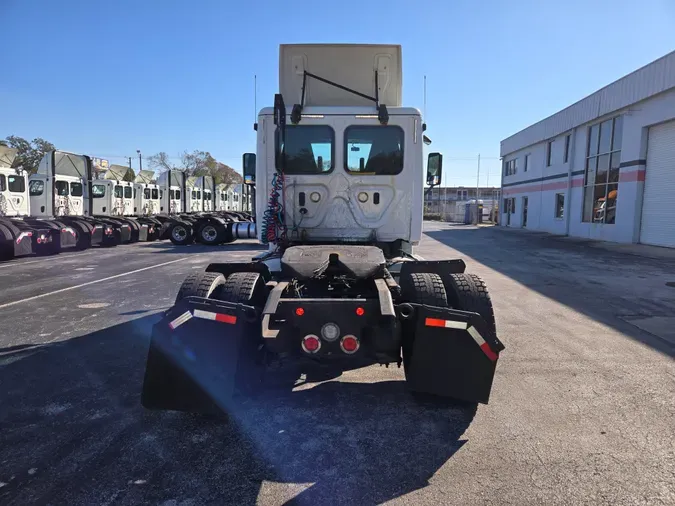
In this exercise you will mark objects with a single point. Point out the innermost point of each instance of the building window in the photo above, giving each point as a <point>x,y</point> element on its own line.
<point>512,206</point>
<point>601,180</point>
<point>527,163</point>
<point>566,156</point>
<point>462,194</point>
<point>511,167</point>
<point>549,149</point>
<point>559,205</point>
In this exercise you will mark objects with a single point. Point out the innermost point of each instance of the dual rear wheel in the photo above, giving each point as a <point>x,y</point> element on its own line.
<point>463,291</point>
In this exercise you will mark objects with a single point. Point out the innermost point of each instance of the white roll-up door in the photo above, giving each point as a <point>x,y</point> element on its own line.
<point>658,220</point>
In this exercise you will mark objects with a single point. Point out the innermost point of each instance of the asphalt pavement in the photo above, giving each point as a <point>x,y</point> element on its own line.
<point>582,410</point>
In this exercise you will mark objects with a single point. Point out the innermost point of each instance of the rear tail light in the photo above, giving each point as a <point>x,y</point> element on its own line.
<point>360,311</point>
<point>108,231</point>
<point>349,344</point>
<point>299,311</point>
<point>311,343</point>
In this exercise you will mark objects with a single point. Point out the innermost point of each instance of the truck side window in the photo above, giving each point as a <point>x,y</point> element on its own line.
<point>309,149</point>
<point>61,188</point>
<point>3,183</point>
<point>146,193</point>
<point>155,194</point>
<point>98,191</point>
<point>118,191</point>
<point>16,184</point>
<point>374,150</point>
<point>36,187</point>
<point>127,192</point>
<point>76,189</point>
<point>194,194</point>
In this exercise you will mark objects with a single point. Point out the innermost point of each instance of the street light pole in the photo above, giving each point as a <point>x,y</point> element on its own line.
<point>140,160</point>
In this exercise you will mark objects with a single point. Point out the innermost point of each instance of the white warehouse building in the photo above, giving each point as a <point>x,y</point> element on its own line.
<point>603,168</point>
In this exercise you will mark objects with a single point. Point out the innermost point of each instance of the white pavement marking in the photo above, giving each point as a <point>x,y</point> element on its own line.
<point>2,306</point>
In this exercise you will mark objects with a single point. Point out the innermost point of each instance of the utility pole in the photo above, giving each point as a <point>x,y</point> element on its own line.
<point>129,161</point>
<point>140,160</point>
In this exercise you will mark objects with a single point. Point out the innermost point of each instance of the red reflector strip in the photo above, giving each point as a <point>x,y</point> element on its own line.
<point>481,342</point>
<point>180,320</point>
<point>448,324</point>
<point>219,317</point>
<point>488,352</point>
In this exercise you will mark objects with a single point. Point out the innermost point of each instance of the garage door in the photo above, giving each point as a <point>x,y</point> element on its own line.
<point>658,220</point>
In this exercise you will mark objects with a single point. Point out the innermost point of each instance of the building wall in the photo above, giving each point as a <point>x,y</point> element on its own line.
<point>541,183</point>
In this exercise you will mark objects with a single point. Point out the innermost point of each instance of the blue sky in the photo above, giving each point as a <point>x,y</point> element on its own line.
<point>108,77</point>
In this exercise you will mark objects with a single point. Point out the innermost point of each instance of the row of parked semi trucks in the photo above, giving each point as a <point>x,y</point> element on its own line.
<point>67,204</point>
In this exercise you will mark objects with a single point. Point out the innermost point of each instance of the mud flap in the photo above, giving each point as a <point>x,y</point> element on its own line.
<point>198,352</point>
<point>454,354</point>
<point>67,238</point>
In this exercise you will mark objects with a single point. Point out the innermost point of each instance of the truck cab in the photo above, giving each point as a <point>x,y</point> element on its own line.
<point>352,163</point>
<point>147,194</point>
<point>14,200</point>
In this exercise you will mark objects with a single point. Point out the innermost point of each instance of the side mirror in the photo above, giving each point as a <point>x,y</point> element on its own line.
<point>434,169</point>
<point>248,162</point>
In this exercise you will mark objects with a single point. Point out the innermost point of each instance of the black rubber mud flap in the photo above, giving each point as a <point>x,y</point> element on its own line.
<point>454,354</point>
<point>198,352</point>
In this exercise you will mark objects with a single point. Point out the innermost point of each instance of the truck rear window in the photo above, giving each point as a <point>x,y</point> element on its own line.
<point>3,183</point>
<point>374,150</point>
<point>62,188</point>
<point>76,189</point>
<point>146,193</point>
<point>177,194</point>
<point>16,184</point>
<point>127,192</point>
<point>118,191</point>
<point>155,194</point>
<point>309,149</point>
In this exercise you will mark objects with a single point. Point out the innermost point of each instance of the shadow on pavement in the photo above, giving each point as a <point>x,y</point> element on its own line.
<point>74,432</point>
<point>602,284</point>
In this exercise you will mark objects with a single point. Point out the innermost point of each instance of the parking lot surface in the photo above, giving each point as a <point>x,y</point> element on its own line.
<point>582,410</point>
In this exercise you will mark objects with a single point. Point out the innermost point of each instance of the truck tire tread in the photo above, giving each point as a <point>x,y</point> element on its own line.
<point>203,284</point>
<point>243,288</point>
<point>468,292</point>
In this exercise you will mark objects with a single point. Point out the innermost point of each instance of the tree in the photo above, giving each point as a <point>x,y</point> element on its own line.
<point>30,153</point>
<point>196,163</point>
<point>130,175</point>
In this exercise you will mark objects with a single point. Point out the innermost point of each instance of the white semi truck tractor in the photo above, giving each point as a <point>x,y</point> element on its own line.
<point>20,233</point>
<point>62,189</point>
<point>339,173</point>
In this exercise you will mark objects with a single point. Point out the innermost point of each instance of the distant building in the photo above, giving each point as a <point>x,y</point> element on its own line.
<point>603,168</point>
<point>448,203</point>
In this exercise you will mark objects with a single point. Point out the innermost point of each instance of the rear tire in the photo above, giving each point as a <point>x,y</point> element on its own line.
<point>420,288</point>
<point>181,234</point>
<point>203,284</point>
<point>212,234</point>
<point>468,292</point>
<point>244,288</point>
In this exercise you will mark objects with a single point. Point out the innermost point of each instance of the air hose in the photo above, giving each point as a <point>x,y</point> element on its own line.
<point>274,228</point>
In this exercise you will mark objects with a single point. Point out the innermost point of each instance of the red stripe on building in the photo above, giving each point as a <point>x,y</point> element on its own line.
<point>632,176</point>
<point>532,188</point>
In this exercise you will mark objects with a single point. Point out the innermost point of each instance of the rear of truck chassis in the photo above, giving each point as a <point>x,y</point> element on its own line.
<point>345,306</point>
